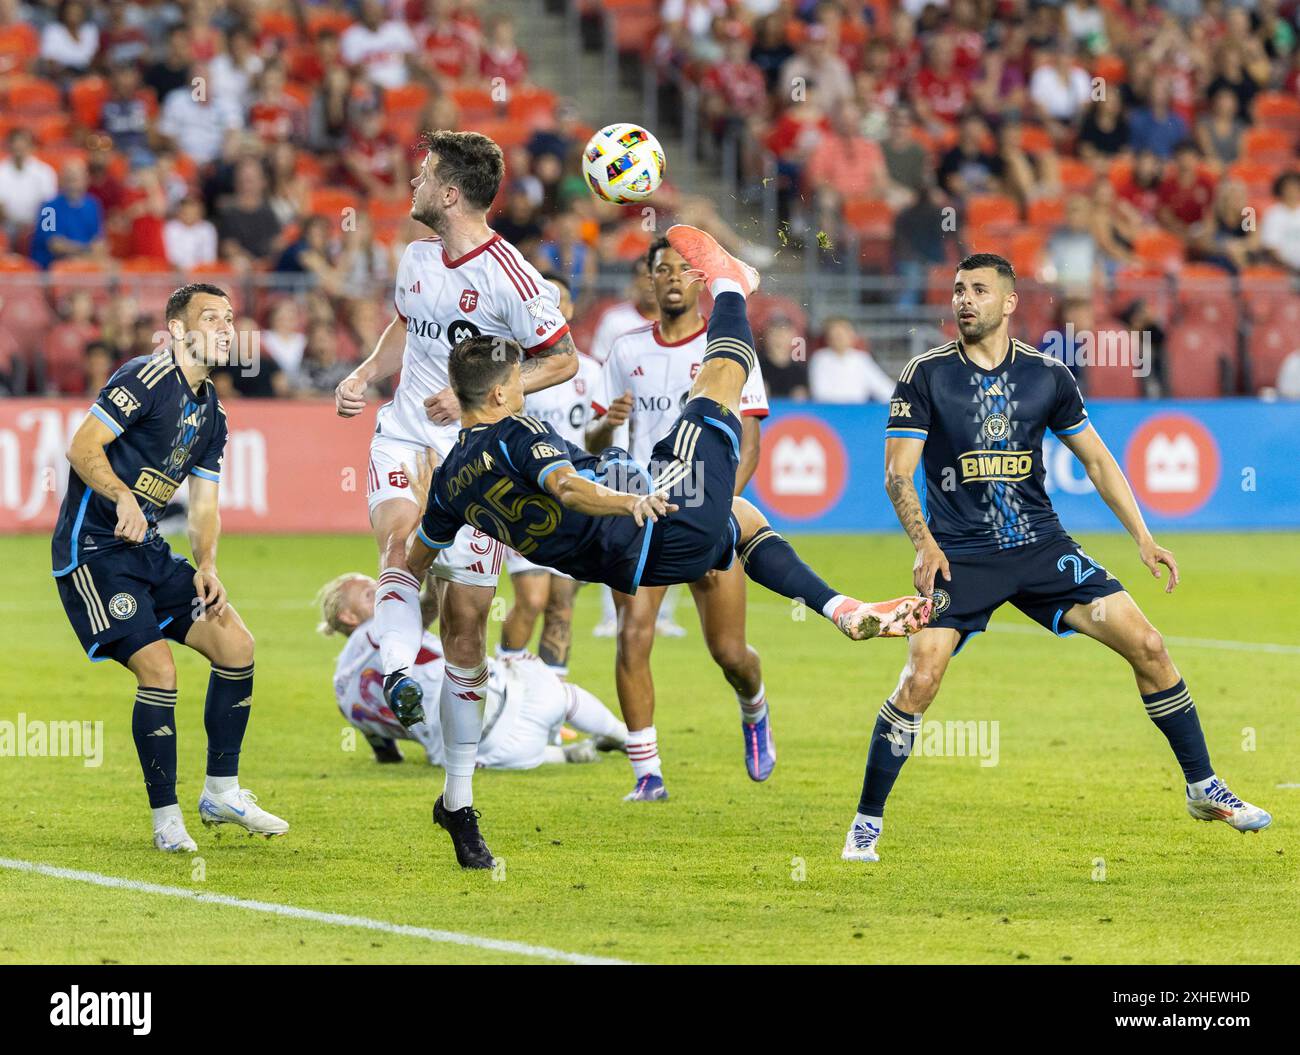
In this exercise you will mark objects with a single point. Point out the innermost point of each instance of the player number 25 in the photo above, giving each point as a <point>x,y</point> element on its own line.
<point>507,508</point>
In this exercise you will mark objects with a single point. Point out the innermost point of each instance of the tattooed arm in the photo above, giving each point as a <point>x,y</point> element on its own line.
<point>552,365</point>
<point>86,453</point>
<point>901,459</point>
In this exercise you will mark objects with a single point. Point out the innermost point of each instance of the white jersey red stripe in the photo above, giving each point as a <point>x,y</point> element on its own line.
<point>659,374</point>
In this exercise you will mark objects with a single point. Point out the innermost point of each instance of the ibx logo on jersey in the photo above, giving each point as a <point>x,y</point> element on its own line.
<point>468,299</point>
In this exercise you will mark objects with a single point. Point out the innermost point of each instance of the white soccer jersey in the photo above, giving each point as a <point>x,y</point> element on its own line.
<point>490,290</point>
<point>614,322</point>
<point>566,407</point>
<point>525,703</point>
<point>659,375</point>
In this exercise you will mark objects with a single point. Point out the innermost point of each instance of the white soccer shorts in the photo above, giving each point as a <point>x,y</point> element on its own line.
<point>474,559</point>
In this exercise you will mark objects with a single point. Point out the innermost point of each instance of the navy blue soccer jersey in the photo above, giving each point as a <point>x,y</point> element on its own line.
<point>985,483</point>
<point>494,479</point>
<point>165,432</point>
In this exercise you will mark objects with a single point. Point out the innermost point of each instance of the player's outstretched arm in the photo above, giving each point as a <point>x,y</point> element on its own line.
<point>87,457</point>
<point>902,456</point>
<point>384,361</point>
<point>204,530</point>
<point>549,366</point>
<point>1113,486</point>
<point>586,496</point>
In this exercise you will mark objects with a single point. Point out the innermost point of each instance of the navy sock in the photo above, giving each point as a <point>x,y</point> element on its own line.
<point>772,562</point>
<point>153,725</point>
<point>891,746</point>
<point>729,335</point>
<point>1174,714</point>
<point>225,717</point>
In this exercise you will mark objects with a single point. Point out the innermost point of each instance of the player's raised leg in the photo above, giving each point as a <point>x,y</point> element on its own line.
<point>153,727</point>
<point>1119,624</point>
<point>636,689</point>
<point>720,599</point>
<point>226,643</point>
<point>896,728</point>
<point>398,618</point>
<point>463,626</point>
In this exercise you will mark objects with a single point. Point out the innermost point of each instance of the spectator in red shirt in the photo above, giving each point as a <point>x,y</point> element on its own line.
<point>735,92</point>
<point>448,47</point>
<point>1186,194</point>
<point>310,67</point>
<point>374,161</point>
<point>1139,190</point>
<point>119,40</point>
<point>940,92</point>
<point>792,139</point>
<point>843,164</point>
<point>501,61</point>
<point>275,115</point>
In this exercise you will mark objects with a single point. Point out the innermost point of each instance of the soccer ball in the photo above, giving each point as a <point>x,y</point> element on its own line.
<point>623,163</point>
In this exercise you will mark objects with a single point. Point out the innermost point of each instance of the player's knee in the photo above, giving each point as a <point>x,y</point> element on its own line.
<point>1151,648</point>
<point>635,636</point>
<point>921,683</point>
<point>153,666</point>
<point>747,516</point>
<point>730,655</point>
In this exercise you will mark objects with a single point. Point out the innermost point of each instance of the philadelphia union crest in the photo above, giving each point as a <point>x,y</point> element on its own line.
<point>122,606</point>
<point>996,427</point>
<point>941,601</point>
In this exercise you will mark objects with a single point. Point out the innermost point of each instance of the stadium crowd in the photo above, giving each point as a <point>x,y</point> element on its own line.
<point>266,144</point>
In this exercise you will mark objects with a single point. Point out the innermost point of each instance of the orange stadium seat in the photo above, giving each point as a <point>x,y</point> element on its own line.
<point>1280,308</point>
<point>276,26</point>
<point>32,95</point>
<point>20,44</point>
<point>1268,345</point>
<point>52,129</point>
<point>1076,175</point>
<point>869,217</point>
<point>473,103</point>
<point>410,98</point>
<point>1159,248</point>
<point>1046,212</point>
<point>506,133</point>
<point>86,97</point>
<point>14,263</point>
<point>1110,68</point>
<point>309,166</point>
<point>326,201</point>
<point>1258,177</point>
<point>1111,380</point>
<point>320,21</point>
<point>26,314</point>
<point>534,107</point>
<point>69,276</point>
<point>1268,145</point>
<point>991,214</point>
<point>1277,110</point>
<point>1262,288</point>
<point>1035,139</point>
<point>1197,357</point>
<point>1027,251</point>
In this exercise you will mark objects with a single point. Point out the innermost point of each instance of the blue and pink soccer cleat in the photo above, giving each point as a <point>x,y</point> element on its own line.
<point>760,748</point>
<point>650,788</point>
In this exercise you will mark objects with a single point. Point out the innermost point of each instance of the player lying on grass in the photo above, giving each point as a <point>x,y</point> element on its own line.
<point>156,424</point>
<point>525,707</point>
<point>974,411</point>
<point>518,481</point>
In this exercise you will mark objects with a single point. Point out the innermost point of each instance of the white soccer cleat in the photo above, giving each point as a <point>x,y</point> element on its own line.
<point>669,628</point>
<point>172,838</point>
<point>605,628</point>
<point>240,807</point>
<point>860,843</point>
<point>1217,803</point>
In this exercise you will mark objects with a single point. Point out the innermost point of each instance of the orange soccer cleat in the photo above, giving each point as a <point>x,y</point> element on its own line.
<point>901,617</point>
<point>709,260</point>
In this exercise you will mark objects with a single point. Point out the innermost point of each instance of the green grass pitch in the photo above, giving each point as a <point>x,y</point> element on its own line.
<point>1074,848</point>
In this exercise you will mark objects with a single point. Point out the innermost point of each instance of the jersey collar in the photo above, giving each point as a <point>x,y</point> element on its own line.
<point>659,340</point>
<point>448,262</point>
<point>1006,360</point>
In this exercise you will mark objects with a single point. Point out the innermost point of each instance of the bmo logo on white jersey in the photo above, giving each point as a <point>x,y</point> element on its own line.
<point>1173,463</point>
<point>803,468</point>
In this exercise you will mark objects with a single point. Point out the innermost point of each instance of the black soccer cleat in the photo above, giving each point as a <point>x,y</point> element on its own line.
<point>462,826</point>
<point>385,751</point>
<point>404,697</point>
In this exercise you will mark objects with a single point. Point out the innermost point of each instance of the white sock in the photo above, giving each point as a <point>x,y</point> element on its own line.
<point>876,822</point>
<point>828,609</point>
<point>460,709</point>
<point>608,613</point>
<point>725,285</point>
<point>753,708</point>
<point>398,624</point>
<point>643,752</point>
<point>163,814</point>
<point>1198,789</point>
<point>220,785</point>
<point>588,715</point>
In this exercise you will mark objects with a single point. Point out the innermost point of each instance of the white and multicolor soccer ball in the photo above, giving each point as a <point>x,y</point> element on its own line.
<point>623,163</point>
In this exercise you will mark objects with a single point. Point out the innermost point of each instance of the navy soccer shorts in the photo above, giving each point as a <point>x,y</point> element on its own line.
<point>130,596</point>
<point>696,464</point>
<point>1043,579</point>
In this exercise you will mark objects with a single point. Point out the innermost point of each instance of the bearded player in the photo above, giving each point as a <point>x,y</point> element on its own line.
<point>517,479</point>
<point>979,407</point>
<point>464,282</point>
<point>646,380</point>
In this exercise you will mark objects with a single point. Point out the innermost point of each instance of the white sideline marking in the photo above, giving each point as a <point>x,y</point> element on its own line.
<point>446,937</point>
<point>1221,644</point>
